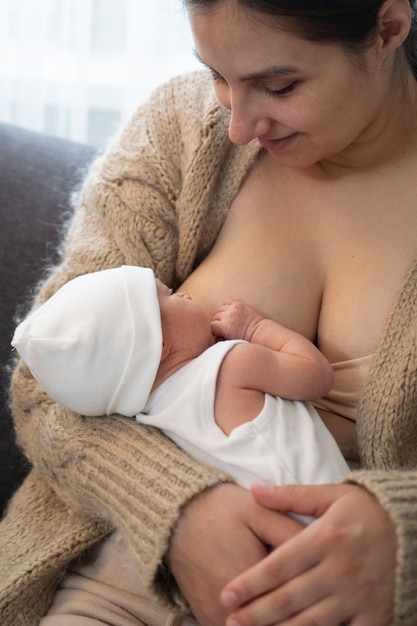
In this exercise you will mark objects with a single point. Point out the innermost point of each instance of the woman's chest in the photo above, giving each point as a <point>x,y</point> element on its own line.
<point>323,258</point>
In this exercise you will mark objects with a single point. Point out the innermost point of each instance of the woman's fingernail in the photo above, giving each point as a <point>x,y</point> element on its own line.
<point>229,598</point>
<point>262,488</point>
<point>232,622</point>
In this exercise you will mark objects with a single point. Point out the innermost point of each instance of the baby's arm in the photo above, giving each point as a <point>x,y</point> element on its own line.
<point>291,367</point>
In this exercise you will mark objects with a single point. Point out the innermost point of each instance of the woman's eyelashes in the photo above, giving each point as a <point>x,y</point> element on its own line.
<point>279,93</point>
<point>275,93</point>
<point>216,77</point>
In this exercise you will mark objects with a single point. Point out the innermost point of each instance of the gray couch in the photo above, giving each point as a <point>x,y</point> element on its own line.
<point>38,174</point>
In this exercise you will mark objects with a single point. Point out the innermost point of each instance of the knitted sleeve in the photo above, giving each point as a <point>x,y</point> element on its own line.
<point>397,492</point>
<point>111,469</point>
<point>387,437</point>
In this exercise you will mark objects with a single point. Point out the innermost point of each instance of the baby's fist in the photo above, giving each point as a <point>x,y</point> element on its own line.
<point>234,320</point>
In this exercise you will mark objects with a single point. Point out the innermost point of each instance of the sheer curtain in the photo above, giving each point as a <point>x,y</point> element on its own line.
<point>78,68</point>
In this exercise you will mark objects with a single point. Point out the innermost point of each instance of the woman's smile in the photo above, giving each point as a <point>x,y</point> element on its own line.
<point>277,145</point>
<point>304,102</point>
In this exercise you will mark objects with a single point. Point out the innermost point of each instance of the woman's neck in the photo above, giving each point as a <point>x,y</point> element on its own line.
<point>389,138</point>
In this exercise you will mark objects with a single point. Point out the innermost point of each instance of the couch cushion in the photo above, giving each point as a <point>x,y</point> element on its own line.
<point>38,174</point>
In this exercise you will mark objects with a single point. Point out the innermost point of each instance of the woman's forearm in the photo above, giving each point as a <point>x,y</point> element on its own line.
<point>110,469</point>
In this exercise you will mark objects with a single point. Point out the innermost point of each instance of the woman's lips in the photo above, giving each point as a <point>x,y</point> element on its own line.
<point>275,145</point>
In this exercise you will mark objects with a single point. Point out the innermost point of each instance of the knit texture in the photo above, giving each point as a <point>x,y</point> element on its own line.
<point>27,584</point>
<point>387,437</point>
<point>158,198</point>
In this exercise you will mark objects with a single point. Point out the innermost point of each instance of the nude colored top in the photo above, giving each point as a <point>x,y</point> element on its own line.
<point>343,400</point>
<point>349,381</point>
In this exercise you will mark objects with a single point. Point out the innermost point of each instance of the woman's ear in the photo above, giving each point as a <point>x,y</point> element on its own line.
<point>394,22</point>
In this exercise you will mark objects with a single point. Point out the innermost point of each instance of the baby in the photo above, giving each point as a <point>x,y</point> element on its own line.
<point>119,341</point>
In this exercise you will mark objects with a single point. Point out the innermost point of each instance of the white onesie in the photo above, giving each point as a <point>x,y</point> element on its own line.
<point>285,443</point>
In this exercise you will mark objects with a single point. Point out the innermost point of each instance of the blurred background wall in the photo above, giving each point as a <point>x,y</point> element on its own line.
<point>78,68</point>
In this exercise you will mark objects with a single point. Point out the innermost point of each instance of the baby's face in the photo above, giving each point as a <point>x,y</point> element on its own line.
<point>181,315</point>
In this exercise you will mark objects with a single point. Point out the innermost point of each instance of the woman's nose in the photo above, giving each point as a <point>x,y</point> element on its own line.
<point>246,122</point>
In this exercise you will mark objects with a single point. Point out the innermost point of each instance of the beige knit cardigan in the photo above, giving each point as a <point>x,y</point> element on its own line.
<point>158,197</point>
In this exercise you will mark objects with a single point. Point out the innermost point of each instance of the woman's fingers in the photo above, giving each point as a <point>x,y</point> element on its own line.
<point>341,567</point>
<point>311,500</point>
<point>320,607</point>
<point>221,533</point>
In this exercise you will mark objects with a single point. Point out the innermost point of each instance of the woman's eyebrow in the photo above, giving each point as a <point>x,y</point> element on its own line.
<point>272,71</point>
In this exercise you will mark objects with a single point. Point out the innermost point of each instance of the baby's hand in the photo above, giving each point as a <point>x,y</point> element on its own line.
<point>235,320</point>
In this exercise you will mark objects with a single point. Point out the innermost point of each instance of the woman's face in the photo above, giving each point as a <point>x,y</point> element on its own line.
<point>304,101</point>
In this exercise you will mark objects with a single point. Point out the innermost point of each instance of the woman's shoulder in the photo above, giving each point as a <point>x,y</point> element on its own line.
<point>176,117</point>
<point>186,104</point>
<point>190,91</point>
<point>181,124</point>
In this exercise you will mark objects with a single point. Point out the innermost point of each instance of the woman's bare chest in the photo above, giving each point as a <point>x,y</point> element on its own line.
<point>326,259</point>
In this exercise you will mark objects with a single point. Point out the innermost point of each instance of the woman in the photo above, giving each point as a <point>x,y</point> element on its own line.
<point>308,213</point>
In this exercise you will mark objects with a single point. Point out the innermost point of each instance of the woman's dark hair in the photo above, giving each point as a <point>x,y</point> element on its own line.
<point>350,23</point>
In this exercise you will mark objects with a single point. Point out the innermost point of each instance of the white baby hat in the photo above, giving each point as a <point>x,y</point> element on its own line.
<point>96,344</point>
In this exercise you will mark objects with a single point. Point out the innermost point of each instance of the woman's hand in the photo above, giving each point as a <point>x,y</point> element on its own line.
<point>221,533</point>
<point>340,569</point>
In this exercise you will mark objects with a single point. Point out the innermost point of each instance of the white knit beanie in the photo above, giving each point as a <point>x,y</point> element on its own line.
<point>96,345</point>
